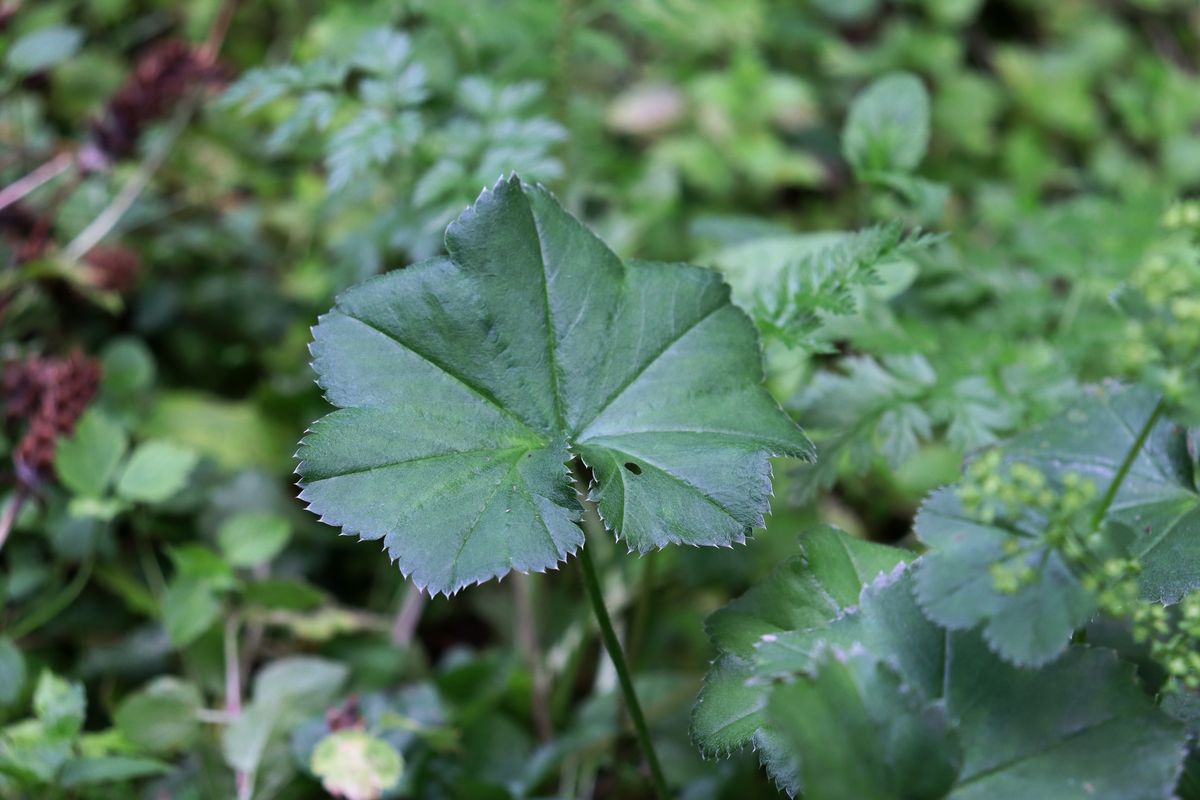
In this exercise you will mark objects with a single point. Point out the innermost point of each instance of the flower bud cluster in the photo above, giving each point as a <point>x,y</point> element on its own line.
<point>998,493</point>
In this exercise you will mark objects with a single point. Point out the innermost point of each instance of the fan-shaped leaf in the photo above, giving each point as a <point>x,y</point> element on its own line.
<point>1157,504</point>
<point>466,383</point>
<point>1079,728</point>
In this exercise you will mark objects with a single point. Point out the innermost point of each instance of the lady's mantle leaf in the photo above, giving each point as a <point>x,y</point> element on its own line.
<point>863,733</point>
<point>1078,728</point>
<point>807,591</point>
<point>1158,499</point>
<point>465,384</point>
<point>1157,503</point>
<point>1030,626</point>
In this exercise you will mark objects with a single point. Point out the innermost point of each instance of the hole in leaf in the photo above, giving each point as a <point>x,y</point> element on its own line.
<point>632,467</point>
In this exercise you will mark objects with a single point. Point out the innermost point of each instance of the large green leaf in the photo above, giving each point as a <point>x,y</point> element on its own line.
<point>1158,498</point>
<point>465,385</point>
<point>1157,507</point>
<point>1079,728</point>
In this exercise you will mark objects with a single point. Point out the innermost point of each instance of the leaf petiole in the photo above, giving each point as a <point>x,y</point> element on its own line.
<point>593,527</point>
<point>1110,494</point>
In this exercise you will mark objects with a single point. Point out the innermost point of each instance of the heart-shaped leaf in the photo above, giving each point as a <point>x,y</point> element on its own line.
<point>465,385</point>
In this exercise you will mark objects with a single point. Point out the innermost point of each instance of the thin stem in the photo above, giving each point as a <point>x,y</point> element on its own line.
<point>9,518</point>
<point>594,526</point>
<point>58,604</point>
<point>233,697</point>
<point>107,219</point>
<point>404,625</point>
<point>1122,471</point>
<point>40,176</point>
<point>216,34</point>
<point>613,646</point>
<point>233,670</point>
<point>527,637</point>
<point>641,611</point>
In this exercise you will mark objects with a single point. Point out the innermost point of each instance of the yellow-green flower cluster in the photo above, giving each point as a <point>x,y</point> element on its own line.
<point>1182,215</point>
<point>1161,301</point>
<point>1174,636</point>
<point>994,493</point>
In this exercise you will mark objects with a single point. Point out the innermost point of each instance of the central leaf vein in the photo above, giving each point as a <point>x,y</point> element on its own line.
<point>624,387</point>
<point>479,391</point>
<point>551,334</point>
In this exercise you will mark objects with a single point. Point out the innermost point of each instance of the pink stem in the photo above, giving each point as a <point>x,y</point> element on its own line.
<point>42,175</point>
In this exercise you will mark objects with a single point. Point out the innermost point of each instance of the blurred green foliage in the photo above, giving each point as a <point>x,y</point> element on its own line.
<point>926,283</point>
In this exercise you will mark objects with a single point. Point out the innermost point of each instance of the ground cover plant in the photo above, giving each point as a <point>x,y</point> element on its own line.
<point>715,400</point>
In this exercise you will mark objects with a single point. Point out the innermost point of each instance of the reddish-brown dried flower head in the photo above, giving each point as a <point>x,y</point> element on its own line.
<point>50,394</point>
<point>161,78</point>
<point>344,715</point>
<point>113,268</point>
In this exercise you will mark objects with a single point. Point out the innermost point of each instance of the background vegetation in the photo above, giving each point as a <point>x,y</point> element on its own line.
<point>946,216</point>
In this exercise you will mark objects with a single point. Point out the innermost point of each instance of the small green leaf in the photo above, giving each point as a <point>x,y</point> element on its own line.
<point>285,693</point>
<point>42,49</point>
<point>59,705</point>
<point>1030,626</point>
<point>298,682</point>
<point>92,771</point>
<point>155,472</point>
<point>279,593</point>
<point>12,673</point>
<point>189,608</point>
<point>161,718</point>
<point>888,126</point>
<point>200,563</point>
<point>253,538</point>
<point>356,765</point>
<point>86,460</point>
<point>128,367</point>
<point>792,286</point>
<point>466,384</point>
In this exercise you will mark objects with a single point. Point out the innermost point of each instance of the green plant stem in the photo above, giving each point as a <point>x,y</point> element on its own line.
<point>58,604</point>
<point>593,526</point>
<point>641,611</point>
<point>613,645</point>
<point>1110,494</point>
<point>107,220</point>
